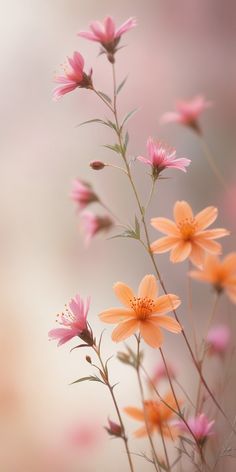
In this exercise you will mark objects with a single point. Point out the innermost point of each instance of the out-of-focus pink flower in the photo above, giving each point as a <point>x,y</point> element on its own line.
<point>218,339</point>
<point>74,322</point>
<point>114,429</point>
<point>84,436</point>
<point>162,157</point>
<point>161,374</point>
<point>107,35</point>
<point>82,193</point>
<point>93,224</point>
<point>187,112</point>
<point>199,425</point>
<point>74,77</point>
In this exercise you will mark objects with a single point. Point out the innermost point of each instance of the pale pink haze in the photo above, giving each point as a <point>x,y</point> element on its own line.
<point>74,321</point>
<point>161,156</point>
<point>94,224</point>
<point>82,193</point>
<point>161,374</point>
<point>107,32</point>
<point>74,77</point>
<point>199,425</point>
<point>187,112</point>
<point>85,436</point>
<point>218,339</point>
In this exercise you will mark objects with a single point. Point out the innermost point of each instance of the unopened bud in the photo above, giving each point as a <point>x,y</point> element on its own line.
<point>88,359</point>
<point>114,429</point>
<point>97,165</point>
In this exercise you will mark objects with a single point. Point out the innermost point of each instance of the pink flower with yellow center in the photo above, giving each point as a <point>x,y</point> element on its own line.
<point>74,322</point>
<point>187,235</point>
<point>162,157</point>
<point>187,112</point>
<point>74,77</point>
<point>82,193</point>
<point>144,313</point>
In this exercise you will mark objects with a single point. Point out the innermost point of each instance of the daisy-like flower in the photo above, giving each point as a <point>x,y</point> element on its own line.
<point>82,194</point>
<point>144,313</point>
<point>187,112</point>
<point>161,157</point>
<point>158,416</point>
<point>199,425</point>
<point>187,235</point>
<point>73,78</point>
<point>221,274</point>
<point>107,35</point>
<point>218,339</point>
<point>73,322</point>
<point>94,224</point>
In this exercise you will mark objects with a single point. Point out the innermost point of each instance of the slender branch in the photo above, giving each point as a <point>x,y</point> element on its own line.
<point>211,161</point>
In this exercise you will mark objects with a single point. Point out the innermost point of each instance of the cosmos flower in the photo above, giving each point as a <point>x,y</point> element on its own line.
<point>187,235</point>
<point>144,313</point>
<point>161,157</point>
<point>220,273</point>
<point>82,193</point>
<point>73,78</point>
<point>218,339</point>
<point>187,112</point>
<point>199,425</point>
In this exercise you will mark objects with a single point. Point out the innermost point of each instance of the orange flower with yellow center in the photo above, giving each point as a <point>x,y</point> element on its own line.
<point>144,313</point>
<point>221,274</point>
<point>158,417</point>
<point>187,235</point>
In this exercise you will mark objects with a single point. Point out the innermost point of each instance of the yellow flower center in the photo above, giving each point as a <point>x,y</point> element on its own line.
<point>188,228</point>
<point>143,307</point>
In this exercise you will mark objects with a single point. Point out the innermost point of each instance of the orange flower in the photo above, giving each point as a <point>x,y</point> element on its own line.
<point>158,417</point>
<point>144,313</point>
<point>221,274</point>
<point>186,237</point>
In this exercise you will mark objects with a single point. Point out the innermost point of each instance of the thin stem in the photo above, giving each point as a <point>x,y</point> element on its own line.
<point>211,161</point>
<point>111,390</point>
<point>190,302</point>
<point>150,195</point>
<point>109,210</point>
<point>165,450</point>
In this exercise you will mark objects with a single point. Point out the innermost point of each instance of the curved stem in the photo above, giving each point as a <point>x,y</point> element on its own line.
<point>211,161</point>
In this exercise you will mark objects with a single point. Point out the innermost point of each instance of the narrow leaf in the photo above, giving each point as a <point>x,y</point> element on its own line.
<point>104,95</point>
<point>120,87</point>
<point>128,116</point>
<point>116,148</point>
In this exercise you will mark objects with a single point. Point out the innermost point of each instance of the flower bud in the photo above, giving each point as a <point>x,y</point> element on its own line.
<point>97,165</point>
<point>88,359</point>
<point>114,429</point>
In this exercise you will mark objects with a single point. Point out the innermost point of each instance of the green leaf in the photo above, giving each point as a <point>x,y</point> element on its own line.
<point>126,140</point>
<point>115,147</point>
<point>91,378</point>
<point>120,87</point>
<point>105,96</point>
<point>128,116</point>
<point>137,227</point>
<point>94,120</point>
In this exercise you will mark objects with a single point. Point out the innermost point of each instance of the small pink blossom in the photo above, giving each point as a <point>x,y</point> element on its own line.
<point>74,322</point>
<point>74,77</point>
<point>187,112</point>
<point>161,374</point>
<point>114,429</point>
<point>162,157</point>
<point>82,193</point>
<point>199,425</point>
<point>93,224</point>
<point>218,339</point>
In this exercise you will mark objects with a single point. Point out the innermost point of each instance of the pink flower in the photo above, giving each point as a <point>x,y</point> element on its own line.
<point>93,224</point>
<point>218,339</point>
<point>199,425</point>
<point>74,322</point>
<point>82,193</point>
<point>85,436</point>
<point>106,33</point>
<point>74,77</point>
<point>161,374</point>
<point>162,157</point>
<point>114,429</point>
<point>187,112</point>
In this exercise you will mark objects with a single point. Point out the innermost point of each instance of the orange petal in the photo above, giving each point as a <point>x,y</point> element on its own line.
<point>208,245</point>
<point>197,255</point>
<point>168,323</point>
<point>151,334</point>
<point>124,330</point>
<point>231,289</point>
<point>134,412</point>
<point>115,315</point>
<point>229,263</point>
<point>180,252</point>
<point>164,244</point>
<point>141,432</point>
<point>166,303</point>
<point>148,287</point>
<point>200,275</point>
<point>213,233</point>
<point>182,210</point>
<point>165,226</point>
<point>206,217</point>
<point>124,293</point>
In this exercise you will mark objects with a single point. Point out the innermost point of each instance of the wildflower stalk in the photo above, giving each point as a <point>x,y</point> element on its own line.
<point>190,300</point>
<point>165,450</point>
<point>211,161</point>
<point>105,378</point>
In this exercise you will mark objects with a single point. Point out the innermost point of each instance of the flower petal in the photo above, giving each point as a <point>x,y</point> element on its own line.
<point>166,303</point>
<point>213,233</point>
<point>124,330</point>
<point>197,255</point>
<point>115,315</point>
<point>180,252</point>
<point>206,217</point>
<point>165,226</point>
<point>124,293</point>
<point>148,287</point>
<point>141,432</point>
<point>208,245</point>
<point>151,334</point>
<point>182,210</point>
<point>168,323</point>
<point>164,244</point>
<point>231,291</point>
<point>229,263</point>
<point>134,412</point>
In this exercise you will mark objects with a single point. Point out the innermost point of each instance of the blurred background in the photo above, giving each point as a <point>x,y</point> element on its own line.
<point>179,49</point>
